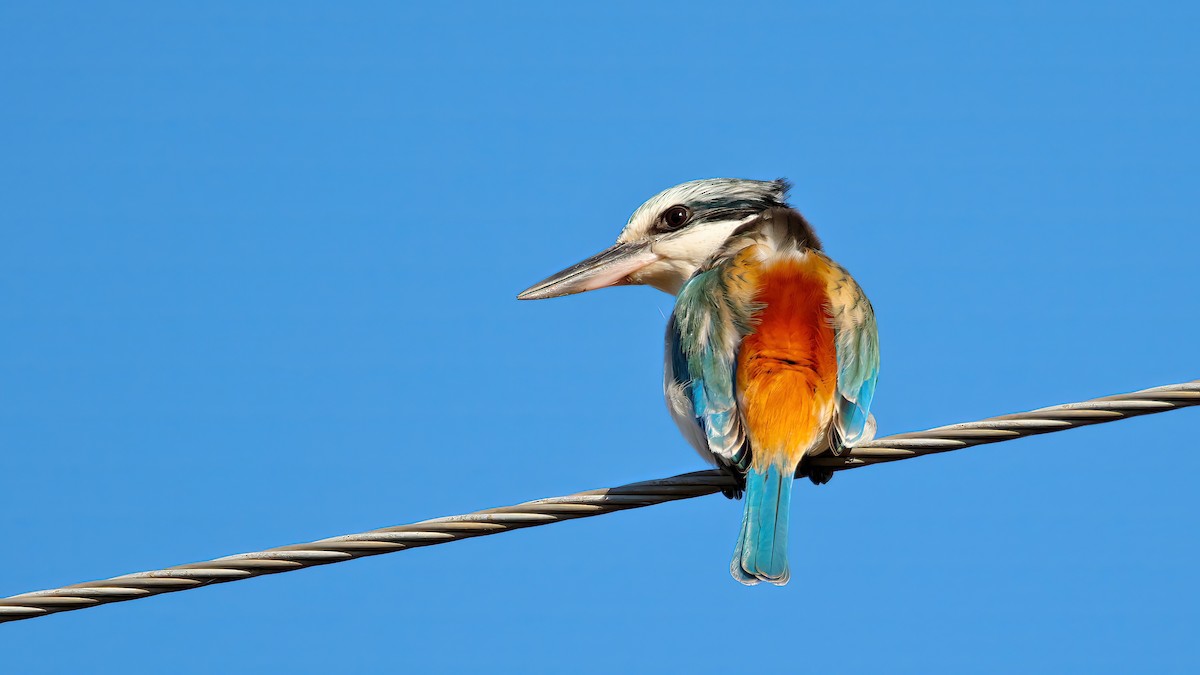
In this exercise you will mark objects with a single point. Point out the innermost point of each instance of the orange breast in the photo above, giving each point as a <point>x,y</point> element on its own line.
<point>787,368</point>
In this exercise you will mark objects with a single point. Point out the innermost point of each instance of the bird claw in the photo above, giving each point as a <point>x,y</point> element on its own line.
<point>820,476</point>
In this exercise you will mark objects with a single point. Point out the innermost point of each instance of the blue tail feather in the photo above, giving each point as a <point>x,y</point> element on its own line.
<point>761,553</point>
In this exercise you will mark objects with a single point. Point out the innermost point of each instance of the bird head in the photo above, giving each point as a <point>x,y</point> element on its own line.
<point>669,237</point>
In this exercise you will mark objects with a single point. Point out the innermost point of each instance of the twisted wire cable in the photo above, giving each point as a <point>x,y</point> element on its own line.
<point>1017,425</point>
<point>580,505</point>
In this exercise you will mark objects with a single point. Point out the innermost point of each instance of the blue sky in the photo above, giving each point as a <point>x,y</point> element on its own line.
<point>257,279</point>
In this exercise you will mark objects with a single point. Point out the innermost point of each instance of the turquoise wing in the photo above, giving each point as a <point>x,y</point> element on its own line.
<point>703,335</point>
<point>857,340</point>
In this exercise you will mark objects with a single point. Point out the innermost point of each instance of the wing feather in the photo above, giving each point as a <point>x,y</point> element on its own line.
<point>703,335</point>
<point>857,340</point>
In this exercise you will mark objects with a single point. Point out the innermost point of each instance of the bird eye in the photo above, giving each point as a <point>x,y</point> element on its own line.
<point>674,217</point>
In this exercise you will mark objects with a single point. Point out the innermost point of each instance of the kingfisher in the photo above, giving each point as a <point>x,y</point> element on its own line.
<point>772,349</point>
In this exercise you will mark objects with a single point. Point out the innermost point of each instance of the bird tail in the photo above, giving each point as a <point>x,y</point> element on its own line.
<point>761,553</point>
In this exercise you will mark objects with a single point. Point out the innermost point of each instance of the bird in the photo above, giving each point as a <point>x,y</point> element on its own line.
<point>772,348</point>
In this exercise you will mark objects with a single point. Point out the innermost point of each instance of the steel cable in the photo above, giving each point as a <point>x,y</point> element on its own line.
<point>580,505</point>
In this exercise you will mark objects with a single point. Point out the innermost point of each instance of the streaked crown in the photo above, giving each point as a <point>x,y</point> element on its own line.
<point>708,200</point>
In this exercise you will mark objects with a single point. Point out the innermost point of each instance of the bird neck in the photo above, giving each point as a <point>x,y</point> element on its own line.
<point>779,229</point>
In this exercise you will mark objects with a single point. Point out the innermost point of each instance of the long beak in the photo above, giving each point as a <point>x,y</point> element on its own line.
<point>608,268</point>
